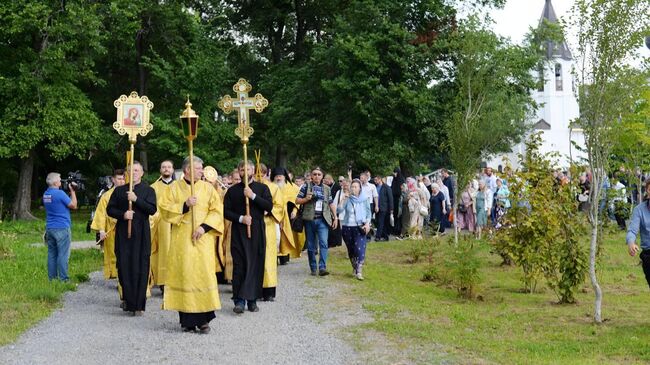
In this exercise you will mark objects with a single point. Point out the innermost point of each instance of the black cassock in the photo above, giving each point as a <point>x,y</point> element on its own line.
<point>133,253</point>
<point>247,253</point>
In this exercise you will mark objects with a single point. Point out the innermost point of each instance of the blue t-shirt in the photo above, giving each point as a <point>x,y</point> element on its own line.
<point>56,206</point>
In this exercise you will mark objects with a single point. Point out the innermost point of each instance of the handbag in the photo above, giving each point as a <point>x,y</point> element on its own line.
<point>424,210</point>
<point>583,198</point>
<point>297,223</point>
<point>462,208</point>
<point>334,237</point>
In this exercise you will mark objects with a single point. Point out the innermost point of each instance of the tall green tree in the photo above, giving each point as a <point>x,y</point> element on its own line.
<point>47,53</point>
<point>631,147</point>
<point>377,75</point>
<point>608,33</point>
<point>492,103</point>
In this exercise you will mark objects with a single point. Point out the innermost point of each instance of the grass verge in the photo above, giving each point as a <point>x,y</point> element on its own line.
<point>504,325</point>
<point>26,295</point>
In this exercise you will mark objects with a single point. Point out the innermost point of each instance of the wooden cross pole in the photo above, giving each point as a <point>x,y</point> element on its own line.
<point>243,103</point>
<point>133,113</point>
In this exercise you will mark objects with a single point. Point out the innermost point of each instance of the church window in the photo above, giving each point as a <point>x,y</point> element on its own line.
<point>540,80</point>
<point>558,77</point>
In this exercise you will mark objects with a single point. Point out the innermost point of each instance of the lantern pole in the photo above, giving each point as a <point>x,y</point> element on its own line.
<point>190,126</point>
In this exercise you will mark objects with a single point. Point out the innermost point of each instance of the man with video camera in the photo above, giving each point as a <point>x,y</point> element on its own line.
<point>58,226</point>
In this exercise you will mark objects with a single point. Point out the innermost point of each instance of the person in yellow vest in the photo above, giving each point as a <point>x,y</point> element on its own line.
<point>228,264</point>
<point>299,238</point>
<point>161,230</point>
<point>190,283</point>
<point>211,175</point>
<point>288,247</point>
<point>272,222</point>
<point>105,226</point>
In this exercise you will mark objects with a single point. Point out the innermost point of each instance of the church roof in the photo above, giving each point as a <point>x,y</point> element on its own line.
<point>553,49</point>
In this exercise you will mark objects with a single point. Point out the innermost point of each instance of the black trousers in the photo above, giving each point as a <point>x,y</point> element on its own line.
<point>382,224</point>
<point>645,262</point>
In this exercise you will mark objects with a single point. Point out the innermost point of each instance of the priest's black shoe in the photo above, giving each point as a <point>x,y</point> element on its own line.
<point>239,309</point>
<point>205,329</point>
<point>253,308</point>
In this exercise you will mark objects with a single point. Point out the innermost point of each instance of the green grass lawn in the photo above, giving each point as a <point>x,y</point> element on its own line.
<point>504,325</point>
<point>26,295</point>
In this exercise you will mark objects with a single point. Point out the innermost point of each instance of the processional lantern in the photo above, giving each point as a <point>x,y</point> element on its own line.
<point>190,126</point>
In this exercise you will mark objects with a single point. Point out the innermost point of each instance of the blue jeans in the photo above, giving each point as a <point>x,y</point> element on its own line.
<point>58,252</point>
<point>317,229</point>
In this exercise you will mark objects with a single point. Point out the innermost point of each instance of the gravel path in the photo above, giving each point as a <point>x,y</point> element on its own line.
<point>298,328</point>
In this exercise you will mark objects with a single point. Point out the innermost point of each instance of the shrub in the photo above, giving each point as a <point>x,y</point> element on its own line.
<point>544,227</point>
<point>6,240</point>
<point>464,268</point>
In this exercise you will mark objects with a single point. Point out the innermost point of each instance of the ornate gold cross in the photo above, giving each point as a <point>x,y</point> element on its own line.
<point>244,104</point>
<point>244,130</point>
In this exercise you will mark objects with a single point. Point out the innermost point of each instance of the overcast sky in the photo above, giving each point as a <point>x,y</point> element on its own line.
<point>517,16</point>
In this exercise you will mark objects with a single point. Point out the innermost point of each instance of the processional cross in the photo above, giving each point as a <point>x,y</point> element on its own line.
<point>244,104</point>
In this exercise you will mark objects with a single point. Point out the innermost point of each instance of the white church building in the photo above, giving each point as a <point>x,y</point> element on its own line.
<point>558,106</point>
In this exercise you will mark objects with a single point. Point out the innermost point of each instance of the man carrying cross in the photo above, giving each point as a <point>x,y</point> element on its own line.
<point>133,250</point>
<point>247,253</point>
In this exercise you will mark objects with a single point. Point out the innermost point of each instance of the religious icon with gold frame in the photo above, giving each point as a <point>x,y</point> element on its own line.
<point>133,115</point>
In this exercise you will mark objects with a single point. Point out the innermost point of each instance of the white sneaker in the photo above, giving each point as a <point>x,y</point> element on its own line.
<point>359,276</point>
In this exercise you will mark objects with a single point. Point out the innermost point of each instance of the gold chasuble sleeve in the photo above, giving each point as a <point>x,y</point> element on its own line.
<point>270,221</point>
<point>294,245</point>
<point>191,284</point>
<point>160,237</point>
<point>102,222</point>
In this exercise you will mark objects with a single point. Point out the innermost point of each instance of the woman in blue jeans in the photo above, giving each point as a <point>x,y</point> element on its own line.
<point>355,210</point>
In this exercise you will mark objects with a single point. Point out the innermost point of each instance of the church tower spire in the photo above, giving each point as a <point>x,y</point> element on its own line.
<point>553,49</point>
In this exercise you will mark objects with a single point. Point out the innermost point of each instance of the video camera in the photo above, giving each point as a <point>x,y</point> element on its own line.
<point>75,178</point>
<point>104,183</point>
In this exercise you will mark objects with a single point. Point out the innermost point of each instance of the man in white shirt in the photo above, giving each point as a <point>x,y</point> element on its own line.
<point>490,179</point>
<point>370,190</point>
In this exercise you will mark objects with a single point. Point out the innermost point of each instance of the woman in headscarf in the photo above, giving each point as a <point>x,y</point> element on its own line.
<point>414,208</point>
<point>355,211</point>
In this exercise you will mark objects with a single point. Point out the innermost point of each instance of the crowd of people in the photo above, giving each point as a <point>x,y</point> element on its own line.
<point>186,236</point>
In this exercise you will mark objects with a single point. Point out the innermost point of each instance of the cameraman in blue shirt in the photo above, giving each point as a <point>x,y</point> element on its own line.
<point>57,226</point>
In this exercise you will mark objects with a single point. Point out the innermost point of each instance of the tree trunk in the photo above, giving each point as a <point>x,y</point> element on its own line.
<point>453,209</point>
<point>144,160</point>
<point>22,205</point>
<point>280,157</point>
<point>592,275</point>
<point>640,189</point>
<point>594,219</point>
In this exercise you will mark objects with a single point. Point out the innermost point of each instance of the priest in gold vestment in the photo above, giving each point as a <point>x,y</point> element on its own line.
<point>105,226</point>
<point>161,230</point>
<point>191,283</point>
<point>291,243</point>
<point>272,222</point>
